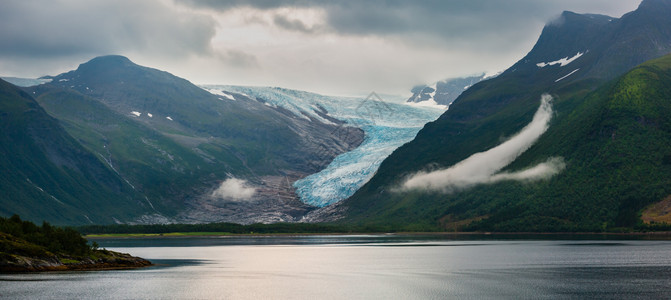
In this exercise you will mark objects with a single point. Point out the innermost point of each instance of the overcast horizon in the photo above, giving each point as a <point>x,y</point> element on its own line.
<point>329,47</point>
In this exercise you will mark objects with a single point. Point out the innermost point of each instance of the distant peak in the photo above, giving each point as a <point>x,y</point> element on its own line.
<point>577,19</point>
<point>109,61</point>
<point>111,58</point>
<point>654,5</point>
<point>568,13</point>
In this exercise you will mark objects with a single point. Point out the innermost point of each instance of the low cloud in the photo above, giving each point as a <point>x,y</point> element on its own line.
<point>484,167</point>
<point>234,189</point>
<point>544,170</point>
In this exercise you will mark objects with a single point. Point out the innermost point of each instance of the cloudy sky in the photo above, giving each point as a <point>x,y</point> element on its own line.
<point>342,47</point>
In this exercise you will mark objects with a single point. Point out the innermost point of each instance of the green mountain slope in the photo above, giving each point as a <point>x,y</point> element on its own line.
<point>603,186</point>
<point>150,163</point>
<point>617,143</point>
<point>173,144</point>
<point>265,140</point>
<point>47,174</point>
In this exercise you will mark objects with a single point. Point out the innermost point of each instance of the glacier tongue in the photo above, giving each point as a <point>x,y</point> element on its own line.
<point>386,126</point>
<point>349,171</point>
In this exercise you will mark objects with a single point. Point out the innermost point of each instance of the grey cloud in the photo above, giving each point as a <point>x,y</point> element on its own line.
<point>239,59</point>
<point>293,25</point>
<point>450,21</point>
<point>47,29</point>
<point>412,41</point>
<point>260,4</point>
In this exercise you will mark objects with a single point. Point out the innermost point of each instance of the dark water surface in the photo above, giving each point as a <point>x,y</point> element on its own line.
<point>365,267</point>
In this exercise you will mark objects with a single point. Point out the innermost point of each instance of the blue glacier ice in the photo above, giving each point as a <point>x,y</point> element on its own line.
<point>387,125</point>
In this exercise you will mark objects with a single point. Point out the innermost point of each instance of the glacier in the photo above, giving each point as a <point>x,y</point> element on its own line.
<point>387,125</point>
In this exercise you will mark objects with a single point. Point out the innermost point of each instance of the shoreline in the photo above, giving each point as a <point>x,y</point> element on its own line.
<point>106,260</point>
<point>517,235</point>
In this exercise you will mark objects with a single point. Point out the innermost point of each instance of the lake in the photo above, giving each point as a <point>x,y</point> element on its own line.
<point>365,267</point>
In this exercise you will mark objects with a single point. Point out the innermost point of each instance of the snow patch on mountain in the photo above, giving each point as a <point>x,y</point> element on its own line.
<point>301,104</point>
<point>428,103</point>
<point>219,92</point>
<point>490,75</point>
<point>421,100</point>
<point>567,75</point>
<point>562,62</point>
<point>442,93</point>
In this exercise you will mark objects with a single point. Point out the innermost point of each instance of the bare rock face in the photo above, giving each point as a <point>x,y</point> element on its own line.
<point>274,200</point>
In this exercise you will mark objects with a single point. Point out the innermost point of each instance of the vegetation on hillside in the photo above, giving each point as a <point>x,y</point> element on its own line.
<point>50,238</point>
<point>608,128</point>
<point>615,142</point>
<point>48,175</point>
<point>226,228</point>
<point>25,246</point>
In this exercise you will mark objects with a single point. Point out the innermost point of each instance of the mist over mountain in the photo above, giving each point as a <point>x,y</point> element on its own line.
<point>579,60</point>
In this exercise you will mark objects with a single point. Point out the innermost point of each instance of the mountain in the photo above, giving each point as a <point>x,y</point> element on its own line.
<point>387,126</point>
<point>47,174</point>
<point>443,92</point>
<point>591,157</point>
<point>192,156</point>
<point>139,91</point>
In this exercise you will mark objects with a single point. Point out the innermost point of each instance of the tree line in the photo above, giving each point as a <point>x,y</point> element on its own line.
<point>53,239</point>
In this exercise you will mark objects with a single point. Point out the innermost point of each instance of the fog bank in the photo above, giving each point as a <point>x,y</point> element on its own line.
<point>483,167</point>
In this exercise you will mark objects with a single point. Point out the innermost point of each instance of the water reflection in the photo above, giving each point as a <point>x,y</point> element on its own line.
<point>365,267</point>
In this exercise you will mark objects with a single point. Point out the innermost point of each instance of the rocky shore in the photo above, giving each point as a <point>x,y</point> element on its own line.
<point>98,260</point>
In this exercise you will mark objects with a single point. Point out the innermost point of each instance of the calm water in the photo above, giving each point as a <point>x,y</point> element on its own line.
<point>364,267</point>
